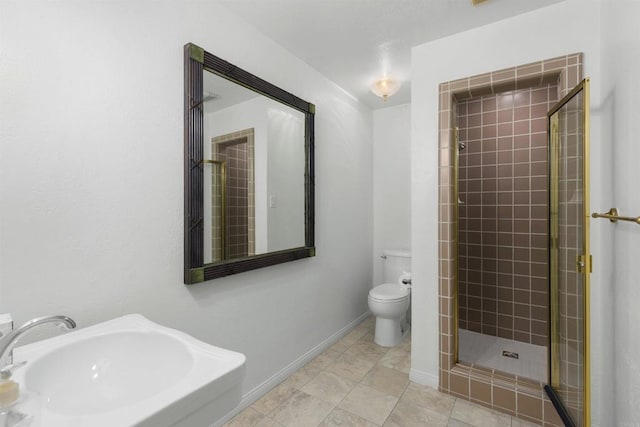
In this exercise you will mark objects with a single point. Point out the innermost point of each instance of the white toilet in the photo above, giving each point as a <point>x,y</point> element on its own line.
<point>390,301</point>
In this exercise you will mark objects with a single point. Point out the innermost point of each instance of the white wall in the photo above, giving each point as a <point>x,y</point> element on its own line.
<point>285,178</point>
<point>391,182</point>
<point>621,111</point>
<point>91,179</point>
<point>568,27</point>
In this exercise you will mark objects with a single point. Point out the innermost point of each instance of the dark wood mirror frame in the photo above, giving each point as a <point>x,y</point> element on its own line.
<point>196,62</point>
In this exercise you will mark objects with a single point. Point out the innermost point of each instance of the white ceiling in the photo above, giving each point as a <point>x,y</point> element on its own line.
<point>220,93</point>
<point>354,42</point>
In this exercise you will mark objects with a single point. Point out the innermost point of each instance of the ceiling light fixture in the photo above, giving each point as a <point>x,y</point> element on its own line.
<point>385,87</point>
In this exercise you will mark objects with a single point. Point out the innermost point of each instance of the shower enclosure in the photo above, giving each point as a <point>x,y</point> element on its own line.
<point>514,255</point>
<point>521,226</point>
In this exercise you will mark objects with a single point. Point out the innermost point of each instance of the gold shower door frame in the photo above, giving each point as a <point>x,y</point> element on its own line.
<point>583,265</point>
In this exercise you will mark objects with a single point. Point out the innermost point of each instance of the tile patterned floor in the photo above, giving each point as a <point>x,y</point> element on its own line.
<point>358,383</point>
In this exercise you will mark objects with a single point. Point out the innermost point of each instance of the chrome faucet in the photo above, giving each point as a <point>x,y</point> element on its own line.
<point>9,341</point>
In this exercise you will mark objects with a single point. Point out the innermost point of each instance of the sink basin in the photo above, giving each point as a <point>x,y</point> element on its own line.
<point>106,372</point>
<point>130,371</point>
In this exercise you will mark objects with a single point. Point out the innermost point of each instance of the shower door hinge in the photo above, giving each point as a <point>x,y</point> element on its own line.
<point>584,264</point>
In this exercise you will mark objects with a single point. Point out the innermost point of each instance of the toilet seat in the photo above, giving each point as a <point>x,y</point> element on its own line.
<point>389,292</point>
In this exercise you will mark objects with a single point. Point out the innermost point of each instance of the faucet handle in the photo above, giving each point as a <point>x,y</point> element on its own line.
<point>7,371</point>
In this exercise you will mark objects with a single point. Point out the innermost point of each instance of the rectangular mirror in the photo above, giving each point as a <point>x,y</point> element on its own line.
<point>248,171</point>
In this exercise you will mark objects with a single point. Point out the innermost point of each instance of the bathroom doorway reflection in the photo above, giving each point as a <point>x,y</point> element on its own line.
<point>233,196</point>
<point>502,209</point>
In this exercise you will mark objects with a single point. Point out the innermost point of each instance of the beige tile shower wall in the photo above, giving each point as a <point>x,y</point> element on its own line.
<point>503,214</point>
<point>237,206</point>
<point>251,193</point>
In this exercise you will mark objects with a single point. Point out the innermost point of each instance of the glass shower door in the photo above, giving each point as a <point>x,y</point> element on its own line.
<point>570,259</point>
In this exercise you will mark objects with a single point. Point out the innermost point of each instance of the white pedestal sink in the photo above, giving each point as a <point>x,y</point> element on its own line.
<point>130,371</point>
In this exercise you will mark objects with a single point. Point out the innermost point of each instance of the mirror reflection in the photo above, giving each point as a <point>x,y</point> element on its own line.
<point>254,172</point>
<point>249,171</point>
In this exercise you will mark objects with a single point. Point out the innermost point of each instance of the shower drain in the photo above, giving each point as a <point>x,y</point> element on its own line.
<point>511,354</point>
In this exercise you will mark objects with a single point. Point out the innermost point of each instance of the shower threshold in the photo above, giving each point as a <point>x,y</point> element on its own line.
<point>487,351</point>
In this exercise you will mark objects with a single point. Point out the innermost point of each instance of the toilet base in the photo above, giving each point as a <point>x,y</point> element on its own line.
<point>388,332</point>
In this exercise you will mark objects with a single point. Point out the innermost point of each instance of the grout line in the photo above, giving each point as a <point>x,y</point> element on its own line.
<point>398,401</point>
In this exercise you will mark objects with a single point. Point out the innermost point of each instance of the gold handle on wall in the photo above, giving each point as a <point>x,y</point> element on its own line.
<point>613,216</point>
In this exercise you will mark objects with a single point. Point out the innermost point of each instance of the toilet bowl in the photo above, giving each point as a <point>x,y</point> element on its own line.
<point>389,303</point>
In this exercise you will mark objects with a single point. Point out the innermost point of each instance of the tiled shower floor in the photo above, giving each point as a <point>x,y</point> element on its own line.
<point>486,351</point>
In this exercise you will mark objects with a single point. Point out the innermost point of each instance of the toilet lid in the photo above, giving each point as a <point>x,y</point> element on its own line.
<point>389,292</point>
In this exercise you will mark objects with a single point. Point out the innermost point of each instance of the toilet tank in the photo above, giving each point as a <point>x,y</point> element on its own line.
<point>396,262</point>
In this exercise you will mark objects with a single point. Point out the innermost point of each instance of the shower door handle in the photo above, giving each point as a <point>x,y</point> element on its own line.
<point>581,264</point>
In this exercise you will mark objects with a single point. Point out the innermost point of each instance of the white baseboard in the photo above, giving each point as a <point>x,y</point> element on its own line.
<point>424,378</point>
<point>259,391</point>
